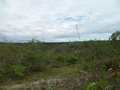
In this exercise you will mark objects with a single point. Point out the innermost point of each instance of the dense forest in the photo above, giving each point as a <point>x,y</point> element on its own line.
<point>80,65</point>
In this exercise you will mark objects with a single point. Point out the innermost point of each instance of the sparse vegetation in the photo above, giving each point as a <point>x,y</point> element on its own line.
<point>97,61</point>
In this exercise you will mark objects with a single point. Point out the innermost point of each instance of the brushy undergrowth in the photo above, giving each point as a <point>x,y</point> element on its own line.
<point>99,59</point>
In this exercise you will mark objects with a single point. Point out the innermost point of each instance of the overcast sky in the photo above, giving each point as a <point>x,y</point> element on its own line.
<point>55,20</point>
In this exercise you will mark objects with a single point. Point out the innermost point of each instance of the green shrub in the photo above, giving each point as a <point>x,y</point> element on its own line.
<point>2,78</point>
<point>18,70</point>
<point>34,62</point>
<point>71,60</point>
<point>13,69</point>
<point>60,60</point>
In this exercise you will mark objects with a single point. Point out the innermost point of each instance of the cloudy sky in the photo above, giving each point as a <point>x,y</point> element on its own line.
<point>56,20</point>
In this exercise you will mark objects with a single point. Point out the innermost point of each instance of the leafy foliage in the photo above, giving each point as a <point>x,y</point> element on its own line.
<point>115,36</point>
<point>18,70</point>
<point>91,58</point>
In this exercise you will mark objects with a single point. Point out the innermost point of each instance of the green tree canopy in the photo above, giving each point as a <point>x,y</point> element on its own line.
<point>115,36</point>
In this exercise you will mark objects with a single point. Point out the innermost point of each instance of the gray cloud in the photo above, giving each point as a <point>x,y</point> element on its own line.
<point>55,20</point>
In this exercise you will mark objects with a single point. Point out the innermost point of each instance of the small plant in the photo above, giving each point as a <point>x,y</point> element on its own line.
<point>113,87</point>
<point>80,73</point>
<point>53,88</point>
<point>102,71</point>
<point>99,85</point>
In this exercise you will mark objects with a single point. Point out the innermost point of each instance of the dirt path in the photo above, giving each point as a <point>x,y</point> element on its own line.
<point>50,84</point>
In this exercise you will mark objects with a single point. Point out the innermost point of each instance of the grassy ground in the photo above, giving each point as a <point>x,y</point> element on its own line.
<point>52,75</point>
<point>49,73</point>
